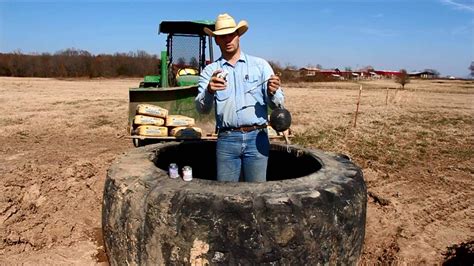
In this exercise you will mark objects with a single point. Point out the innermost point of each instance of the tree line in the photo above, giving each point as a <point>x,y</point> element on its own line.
<point>75,63</point>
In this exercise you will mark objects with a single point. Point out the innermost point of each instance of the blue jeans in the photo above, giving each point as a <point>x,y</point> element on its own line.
<point>238,151</point>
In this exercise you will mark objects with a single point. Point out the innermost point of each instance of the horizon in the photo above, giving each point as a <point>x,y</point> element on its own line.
<point>387,35</point>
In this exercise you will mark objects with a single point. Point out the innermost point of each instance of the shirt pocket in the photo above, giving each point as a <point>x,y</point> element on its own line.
<point>253,90</point>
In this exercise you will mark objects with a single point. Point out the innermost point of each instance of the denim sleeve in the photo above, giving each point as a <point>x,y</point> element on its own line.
<point>272,100</point>
<point>204,100</point>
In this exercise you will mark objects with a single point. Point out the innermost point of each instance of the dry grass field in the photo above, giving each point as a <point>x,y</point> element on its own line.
<point>415,146</point>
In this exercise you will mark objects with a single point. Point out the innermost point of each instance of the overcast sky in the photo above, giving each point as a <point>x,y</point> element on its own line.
<point>386,34</point>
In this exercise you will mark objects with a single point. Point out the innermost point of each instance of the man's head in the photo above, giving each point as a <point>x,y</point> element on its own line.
<point>227,34</point>
<point>229,43</point>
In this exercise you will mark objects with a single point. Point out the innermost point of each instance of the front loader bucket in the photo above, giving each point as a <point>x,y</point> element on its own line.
<point>178,100</point>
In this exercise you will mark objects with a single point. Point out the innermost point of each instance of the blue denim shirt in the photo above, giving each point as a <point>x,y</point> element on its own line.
<point>245,101</point>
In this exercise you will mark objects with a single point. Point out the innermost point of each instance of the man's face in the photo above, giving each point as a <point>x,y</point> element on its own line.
<point>228,43</point>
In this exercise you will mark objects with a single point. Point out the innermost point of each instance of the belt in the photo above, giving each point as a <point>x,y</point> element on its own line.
<point>243,129</point>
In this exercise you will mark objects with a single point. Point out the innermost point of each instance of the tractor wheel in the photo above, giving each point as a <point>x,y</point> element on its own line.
<point>311,210</point>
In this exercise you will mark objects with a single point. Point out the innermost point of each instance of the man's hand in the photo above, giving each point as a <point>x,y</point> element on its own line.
<point>273,84</point>
<point>216,83</point>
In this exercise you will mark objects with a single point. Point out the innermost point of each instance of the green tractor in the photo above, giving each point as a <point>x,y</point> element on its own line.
<point>176,86</point>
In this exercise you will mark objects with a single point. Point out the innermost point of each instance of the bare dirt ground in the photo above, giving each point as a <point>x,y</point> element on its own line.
<point>415,146</point>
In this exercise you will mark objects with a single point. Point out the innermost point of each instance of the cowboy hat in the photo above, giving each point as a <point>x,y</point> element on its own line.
<point>225,24</point>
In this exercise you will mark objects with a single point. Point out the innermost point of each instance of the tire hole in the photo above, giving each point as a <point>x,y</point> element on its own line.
<point>201,156</point>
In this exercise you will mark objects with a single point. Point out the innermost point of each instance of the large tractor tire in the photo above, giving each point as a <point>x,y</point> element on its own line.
<point>312,209</point>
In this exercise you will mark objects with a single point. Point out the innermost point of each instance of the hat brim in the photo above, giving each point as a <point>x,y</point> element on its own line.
<point>241,28</point>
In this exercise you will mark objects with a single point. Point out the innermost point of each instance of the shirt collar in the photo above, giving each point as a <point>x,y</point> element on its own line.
<point>242,58</point>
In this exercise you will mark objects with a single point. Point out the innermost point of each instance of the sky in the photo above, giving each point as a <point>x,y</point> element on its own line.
<point>385,34</point>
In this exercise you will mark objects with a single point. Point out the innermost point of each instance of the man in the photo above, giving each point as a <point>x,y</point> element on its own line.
<point>241,87</point>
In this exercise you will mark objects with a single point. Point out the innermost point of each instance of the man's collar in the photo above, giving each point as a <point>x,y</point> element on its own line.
<point>242,58</point>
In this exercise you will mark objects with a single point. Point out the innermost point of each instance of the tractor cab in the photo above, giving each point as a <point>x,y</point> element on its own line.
<point>185,56</point>
<point>188,50</point>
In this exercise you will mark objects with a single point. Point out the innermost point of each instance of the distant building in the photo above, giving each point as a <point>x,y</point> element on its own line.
<point>422,75</point>
<point>309,71</point>
<point>388,73</point>
<point>367,73</point>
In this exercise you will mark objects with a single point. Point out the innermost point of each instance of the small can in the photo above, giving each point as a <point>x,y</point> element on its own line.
<point>173,170</point>
<point>223,75</point>
<point>187,173</point>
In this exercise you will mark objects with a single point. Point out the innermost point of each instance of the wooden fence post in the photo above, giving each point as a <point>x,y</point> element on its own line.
<point>357,109</point>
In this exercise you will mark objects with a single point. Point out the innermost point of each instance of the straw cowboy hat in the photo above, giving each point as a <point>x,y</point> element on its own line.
<point>225,24</point>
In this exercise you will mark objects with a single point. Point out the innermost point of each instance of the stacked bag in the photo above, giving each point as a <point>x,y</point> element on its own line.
<point>272,132</point>
<point>154,121</point>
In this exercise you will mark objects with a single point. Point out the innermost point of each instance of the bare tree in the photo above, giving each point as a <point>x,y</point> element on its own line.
<point>73,62</point>
<point>193,62</point>
<point>275,66</point>
<point>181,61</point>
<point>403,78</point>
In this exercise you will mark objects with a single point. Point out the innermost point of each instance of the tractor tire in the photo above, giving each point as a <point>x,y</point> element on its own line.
<point>312,209</point>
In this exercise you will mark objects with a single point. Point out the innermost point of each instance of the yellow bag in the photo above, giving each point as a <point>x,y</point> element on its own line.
<point>148,120</point>
<point>271,132</point>
<point>152,110</point>
<point>152,131</point>
<point>179,120</point>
